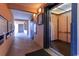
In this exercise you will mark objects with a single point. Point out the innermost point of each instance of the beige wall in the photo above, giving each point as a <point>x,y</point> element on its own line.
<point>39,36</point>
<point>62,26</point>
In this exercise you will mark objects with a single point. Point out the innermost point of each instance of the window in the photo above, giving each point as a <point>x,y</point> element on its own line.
<point>3,28</point>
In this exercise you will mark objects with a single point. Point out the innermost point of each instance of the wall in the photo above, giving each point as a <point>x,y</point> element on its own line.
<point>16,25</point>
<point>39,36</point>
<point>21,15</point>
<point>62,26</point>
<point>25,25</point>
<point>54,19</point>
<point>4,48</point>
<point>78,29</point>
<point>5,12</point>
<point>19,22</point>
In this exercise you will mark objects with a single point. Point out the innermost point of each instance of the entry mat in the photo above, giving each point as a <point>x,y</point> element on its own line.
<point>40,52</point>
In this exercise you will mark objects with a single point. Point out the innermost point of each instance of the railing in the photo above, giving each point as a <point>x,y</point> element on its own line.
<point>2,37</point>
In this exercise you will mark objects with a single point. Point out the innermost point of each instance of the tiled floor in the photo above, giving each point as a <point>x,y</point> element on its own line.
<point>22,45</point>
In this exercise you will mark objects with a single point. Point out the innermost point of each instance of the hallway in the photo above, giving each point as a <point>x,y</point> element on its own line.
<point>22,45</point>
<point>32,29</point>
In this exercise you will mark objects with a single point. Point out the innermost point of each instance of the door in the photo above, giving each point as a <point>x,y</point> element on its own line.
<point>20,28</point>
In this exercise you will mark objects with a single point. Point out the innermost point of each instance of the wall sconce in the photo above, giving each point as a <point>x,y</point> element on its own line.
<point>34,17</point>
<point>39,10</point>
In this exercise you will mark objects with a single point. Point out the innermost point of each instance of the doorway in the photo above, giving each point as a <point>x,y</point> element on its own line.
<point>62,34</point>
<point>61,28</point>
<point>20,28</point>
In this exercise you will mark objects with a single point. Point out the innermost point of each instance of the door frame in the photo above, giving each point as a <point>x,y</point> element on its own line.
<point>46,19</point>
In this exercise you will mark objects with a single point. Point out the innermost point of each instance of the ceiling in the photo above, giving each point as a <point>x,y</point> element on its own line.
<point>24,11</point>
<point>30,7</point>
<point>21,15</point>
<point>61,8</point>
